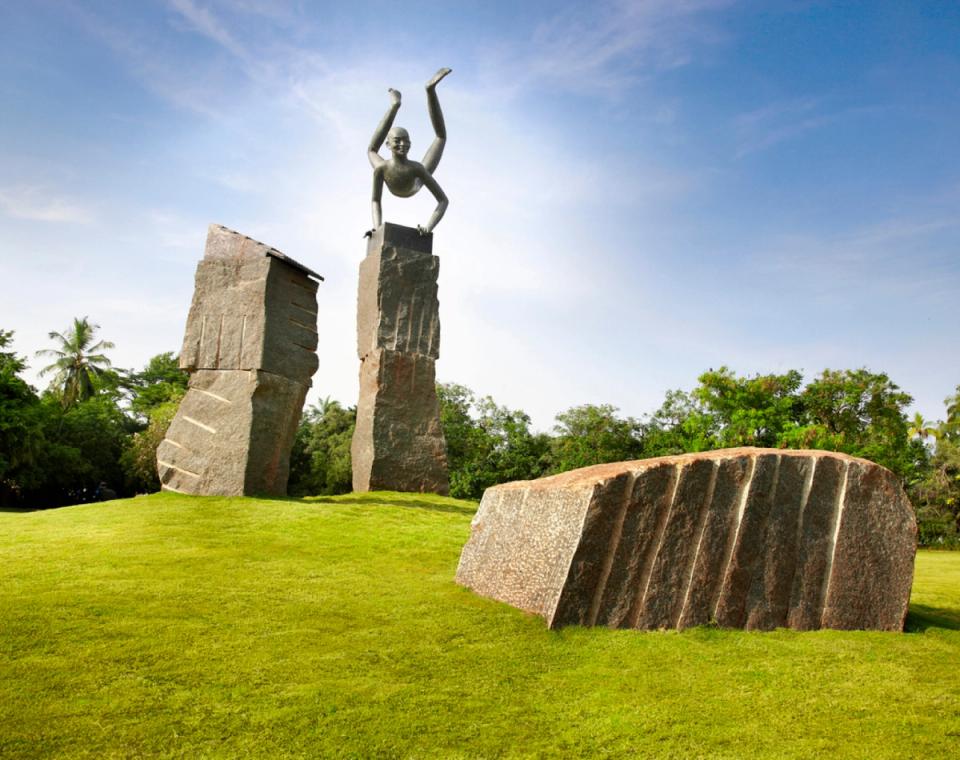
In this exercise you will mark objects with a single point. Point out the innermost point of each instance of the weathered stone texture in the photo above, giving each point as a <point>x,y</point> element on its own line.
<point>749,538</point>
<point>232,434</point>
<point>398,442</point>
<point>250,346</point>
<point>256,309</point>
<point>397,306</point>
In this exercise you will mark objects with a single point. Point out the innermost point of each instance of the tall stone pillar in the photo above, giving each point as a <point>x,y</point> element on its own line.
<point>398,444</point>
<point>250,347</point>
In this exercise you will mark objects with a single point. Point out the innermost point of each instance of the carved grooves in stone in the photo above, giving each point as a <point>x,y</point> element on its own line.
<point>423,315</point>
<point>396,324</point>
<point>199,424</point>
<point>746,565</point>
<point>733,533</point>
<point>178,469</point>
<point>243,334</point>
<point>798,546</point>
<point>302,308</point>
<point>834,534</point>
<point>615,536</point>
<point>433,319</point>
<point>704,514</point>
<point>299,283</point>
<point>219,338</point>
<point>652,550</point>
<point>305,326</point>
<point>410,312</point>
<point>212,395</point>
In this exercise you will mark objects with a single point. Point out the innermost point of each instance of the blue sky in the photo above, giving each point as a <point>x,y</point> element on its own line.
<point>639,191</point>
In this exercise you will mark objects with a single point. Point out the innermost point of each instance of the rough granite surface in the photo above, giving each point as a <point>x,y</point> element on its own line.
<point>250,346</point>
<point>398,443</point>
<point>749,538</point>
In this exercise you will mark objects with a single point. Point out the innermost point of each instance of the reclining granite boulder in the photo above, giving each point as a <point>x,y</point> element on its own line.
<point>747,538</point>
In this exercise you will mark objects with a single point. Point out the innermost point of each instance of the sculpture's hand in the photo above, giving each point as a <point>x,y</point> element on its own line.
<point>394,96</point>
<point>369,233</point>
<point>422,230</point>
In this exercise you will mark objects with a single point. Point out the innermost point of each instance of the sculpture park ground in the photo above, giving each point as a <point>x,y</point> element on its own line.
<point>173,625</point>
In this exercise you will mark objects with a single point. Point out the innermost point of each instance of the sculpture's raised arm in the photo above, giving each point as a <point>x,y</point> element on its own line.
<point>431,184</point>
<point>380,134</point>
<point>376,207</point>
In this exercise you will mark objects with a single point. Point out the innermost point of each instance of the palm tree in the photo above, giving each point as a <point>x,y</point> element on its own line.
<point>77,362</point>
<point>920,427</point>
<point>953,407</point>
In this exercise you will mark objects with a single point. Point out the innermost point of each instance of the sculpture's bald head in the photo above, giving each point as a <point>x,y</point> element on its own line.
<point>398,140</point>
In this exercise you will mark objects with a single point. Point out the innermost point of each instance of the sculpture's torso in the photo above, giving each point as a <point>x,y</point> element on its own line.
<point>403,179</point>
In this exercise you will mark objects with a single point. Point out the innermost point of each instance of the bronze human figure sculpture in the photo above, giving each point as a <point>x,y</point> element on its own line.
<point>402,176</point>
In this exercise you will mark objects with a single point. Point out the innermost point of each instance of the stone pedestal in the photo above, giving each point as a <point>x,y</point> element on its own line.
<point>398,444</point>
<point>250,347</point>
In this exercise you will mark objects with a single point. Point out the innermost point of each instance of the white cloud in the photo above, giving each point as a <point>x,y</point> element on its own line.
<point>897,258</point>
<point>781,121</point>
<point>39,204</point>
<point>604,47</point>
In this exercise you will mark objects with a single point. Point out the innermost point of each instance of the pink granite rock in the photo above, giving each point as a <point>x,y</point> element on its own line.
<point>749,538</point>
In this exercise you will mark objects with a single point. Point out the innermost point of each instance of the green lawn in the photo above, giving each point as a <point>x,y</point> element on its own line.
<point>205,627</point>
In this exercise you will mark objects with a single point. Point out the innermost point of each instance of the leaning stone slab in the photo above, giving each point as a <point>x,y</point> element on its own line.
<point>232,434</point>
<point>250,346</point>
<point>253,308</point>
<point>747,538</point>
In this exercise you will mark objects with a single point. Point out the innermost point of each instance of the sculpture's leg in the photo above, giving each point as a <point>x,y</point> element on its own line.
<point>432,157</point>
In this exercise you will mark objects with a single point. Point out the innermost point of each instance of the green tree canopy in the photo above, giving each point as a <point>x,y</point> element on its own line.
<point>950,428</point>
<point>594,434</point>
<point>159,383</point>
<point>21,426</point>
<point>320,462</point>
<point>857,412</point>
<point>935,491</point>
<point>680,425</point>
<point>139,457</point>
<point>750,411</point>
<point>487,443</point>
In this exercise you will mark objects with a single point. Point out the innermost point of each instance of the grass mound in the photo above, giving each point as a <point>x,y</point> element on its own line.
<point>188,626</point>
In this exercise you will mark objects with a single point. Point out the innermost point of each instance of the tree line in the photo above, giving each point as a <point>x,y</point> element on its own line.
<point>856,412</point>
<point>92,432</point>
<point>98,426</point>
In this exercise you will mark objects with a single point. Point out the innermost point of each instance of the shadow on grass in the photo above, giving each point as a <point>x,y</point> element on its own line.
<point>922,617</point>
<point>412,502</point>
